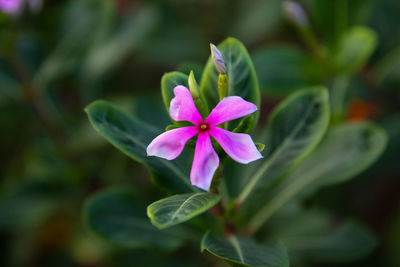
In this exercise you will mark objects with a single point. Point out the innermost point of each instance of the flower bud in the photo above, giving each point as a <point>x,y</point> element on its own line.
<point>218,59</point>
<point>193,87</point>
<point>295,13</point>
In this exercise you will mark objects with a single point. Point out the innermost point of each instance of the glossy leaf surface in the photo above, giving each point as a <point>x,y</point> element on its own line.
<point>243,251</point>
<point>180,208</point>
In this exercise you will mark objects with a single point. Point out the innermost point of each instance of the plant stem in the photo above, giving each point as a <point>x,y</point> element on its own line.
<point>338,97</point>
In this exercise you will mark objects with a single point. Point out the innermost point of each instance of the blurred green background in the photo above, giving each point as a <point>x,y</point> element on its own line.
<point>56,60</point>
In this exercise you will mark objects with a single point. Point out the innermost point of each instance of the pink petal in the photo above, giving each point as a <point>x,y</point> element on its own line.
<point>230,108</point>
<point>13,7</point>
<point>170,144</point>
<point>182,106</point>
<point>239,147</point>
<point>205,162</point>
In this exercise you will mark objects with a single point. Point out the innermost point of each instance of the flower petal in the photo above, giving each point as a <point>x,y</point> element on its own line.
<point>240,147</point>
<point>182,107</point>
<point>205,162</point>
<point>230,108</point>
<point>170,144</point>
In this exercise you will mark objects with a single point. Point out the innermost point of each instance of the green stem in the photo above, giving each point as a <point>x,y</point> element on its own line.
<point>311,41</point>
<point>338,97</point>
<point>341,16</point>
<point>222,86</point>
<point>317,50</point>
<point>223,91</point>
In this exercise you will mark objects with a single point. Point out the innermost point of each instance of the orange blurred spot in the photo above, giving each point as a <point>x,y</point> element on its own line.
<point>361,110</point>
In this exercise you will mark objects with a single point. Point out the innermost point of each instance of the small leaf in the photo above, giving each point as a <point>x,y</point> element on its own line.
<point>242,78</point>
<point>243,251</point>
<point>355,48</point>
<point>284,69</point>
<point>245,124</point>
<point>180,208</point>
<point>117,216</point>
<point>171,127</point>
<point>260,146</point>
<point>132,137</point>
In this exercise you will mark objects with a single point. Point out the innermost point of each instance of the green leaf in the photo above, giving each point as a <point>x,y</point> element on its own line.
<point>118,217</point>
<point>132,137</point>
<point>180,208</point>
<point>241,75</point>
<point>282,70</point>
<point>346,151</point>
<point>333,17</point>
<point>187,67</point>
<point>243,251</point>
<point>294,129</point>
<point>260,146</point>
<point>355,48</point>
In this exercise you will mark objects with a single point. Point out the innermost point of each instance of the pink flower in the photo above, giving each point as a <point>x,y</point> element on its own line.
<point>15,7</point>
<point>238,146</point>
<point>11,6</point>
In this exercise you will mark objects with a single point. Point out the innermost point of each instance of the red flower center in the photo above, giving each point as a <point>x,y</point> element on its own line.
<point>203,127</point>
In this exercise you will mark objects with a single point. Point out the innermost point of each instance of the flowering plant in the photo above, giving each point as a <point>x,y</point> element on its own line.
<point>241,199</point>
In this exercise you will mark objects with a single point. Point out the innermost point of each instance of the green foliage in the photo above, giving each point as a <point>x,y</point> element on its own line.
<point>314,235</point>
<point>79,19</point>
<point>180,208</point>
<point>354,49</point>
<point>117,216</point>
<point>333,17</point>
<point>29,204</point>
<point>57,59</point>
<point>132,137</point>
<point>243,251</point>
<point>346,243</point>
<point>242,77</point>
<point>345,152</point>
<point>283,69</point>
<point>294,129</point>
